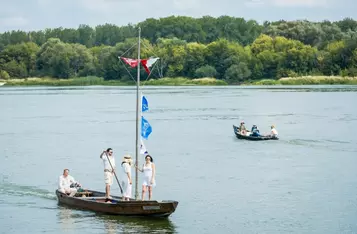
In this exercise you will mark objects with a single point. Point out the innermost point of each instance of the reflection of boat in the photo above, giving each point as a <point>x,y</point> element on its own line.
<point>136,224</point>
<point>65,217</point>
<point>96,201</point>
<point>252,138</point>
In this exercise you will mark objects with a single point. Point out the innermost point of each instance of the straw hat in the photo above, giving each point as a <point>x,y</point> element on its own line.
<point>127,159</point>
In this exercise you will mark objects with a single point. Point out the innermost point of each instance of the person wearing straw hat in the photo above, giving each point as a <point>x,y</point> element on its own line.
<point>127,182</point>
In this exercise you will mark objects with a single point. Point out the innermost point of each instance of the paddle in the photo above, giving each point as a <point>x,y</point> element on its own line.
<point>121,190</point>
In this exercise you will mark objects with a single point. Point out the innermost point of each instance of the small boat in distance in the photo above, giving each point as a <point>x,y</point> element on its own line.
<point>252,138</point>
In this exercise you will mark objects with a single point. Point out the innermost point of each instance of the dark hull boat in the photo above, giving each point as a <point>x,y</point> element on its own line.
<point>252,138</point>
<point>96,201</point>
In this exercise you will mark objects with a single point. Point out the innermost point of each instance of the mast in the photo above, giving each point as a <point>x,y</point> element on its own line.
<point>137,142</point>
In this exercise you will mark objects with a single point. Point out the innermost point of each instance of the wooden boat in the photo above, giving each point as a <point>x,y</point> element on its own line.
<point>252,138</point>
<point>96,201</point>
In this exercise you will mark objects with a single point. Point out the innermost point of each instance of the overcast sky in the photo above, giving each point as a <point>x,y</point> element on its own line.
<point>40,14</point>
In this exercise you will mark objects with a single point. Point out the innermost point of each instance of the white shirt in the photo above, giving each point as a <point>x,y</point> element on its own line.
<point>274,131</point>
<point>65,182</point>
<point>126,169</point>
<point>147,170</point>
<point>106,162</point>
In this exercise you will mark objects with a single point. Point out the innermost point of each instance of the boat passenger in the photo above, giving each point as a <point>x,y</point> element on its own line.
<point>149,176</point>
<point>242,129</point>
<point>274,132</point>
<point>255,131</point>
<point>127,182</point>
<point>67,184</point>
<point>109,169</point>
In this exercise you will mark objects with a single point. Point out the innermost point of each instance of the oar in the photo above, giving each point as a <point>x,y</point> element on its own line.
<point>121,190</point>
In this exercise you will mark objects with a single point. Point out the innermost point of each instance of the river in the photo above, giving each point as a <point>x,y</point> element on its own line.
<point>306,182</point>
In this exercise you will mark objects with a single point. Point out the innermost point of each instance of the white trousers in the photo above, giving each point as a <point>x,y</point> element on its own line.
<point>71,191</point>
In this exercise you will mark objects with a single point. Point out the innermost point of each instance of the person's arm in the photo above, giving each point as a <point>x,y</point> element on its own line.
<point>76,182</point>
<point>153,172</point>
<point>137,168</point>
<point>101,155</point>
<point>60,184</point>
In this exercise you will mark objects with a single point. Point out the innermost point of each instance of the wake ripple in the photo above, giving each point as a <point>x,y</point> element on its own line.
<point>22,191</point>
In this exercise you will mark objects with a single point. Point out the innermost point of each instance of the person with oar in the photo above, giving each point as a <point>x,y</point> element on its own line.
<point>109,171</point>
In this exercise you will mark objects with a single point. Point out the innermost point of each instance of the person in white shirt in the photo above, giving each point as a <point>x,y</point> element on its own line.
<point>127,182</point>
<point>273,132</point>
<point>149,176</point>
<point>109,169</point>
<point>66,182</point>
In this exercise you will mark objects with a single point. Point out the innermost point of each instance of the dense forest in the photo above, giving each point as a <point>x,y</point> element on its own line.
<point>228,48</point>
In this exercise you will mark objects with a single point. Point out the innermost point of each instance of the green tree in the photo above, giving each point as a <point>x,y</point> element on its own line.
<point>237,72</point>
<point>205,71</point>
<point>4,75</point>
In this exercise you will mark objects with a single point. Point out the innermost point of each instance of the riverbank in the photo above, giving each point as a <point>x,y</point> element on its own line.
<point>307,80</point>
<point>92,80</point>
<point>179,81</point>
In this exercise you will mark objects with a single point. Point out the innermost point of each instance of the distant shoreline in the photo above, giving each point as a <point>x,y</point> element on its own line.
<point>180,81</point>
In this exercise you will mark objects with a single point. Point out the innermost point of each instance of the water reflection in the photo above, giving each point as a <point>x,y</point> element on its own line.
<point>115,224</point>
<point>65,218</point>
<point>69,220</point>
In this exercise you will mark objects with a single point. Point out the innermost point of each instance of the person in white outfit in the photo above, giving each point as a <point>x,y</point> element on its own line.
<point>67,184</point>
<point>273,132</point>
<point>127,182</point>
<point>149,176</point>
<point>109,169</point>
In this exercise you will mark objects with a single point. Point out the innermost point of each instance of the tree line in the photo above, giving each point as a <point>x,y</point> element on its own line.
<point>228,48</point>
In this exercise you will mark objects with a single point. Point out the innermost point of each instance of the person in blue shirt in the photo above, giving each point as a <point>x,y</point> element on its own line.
<point>255,131</point>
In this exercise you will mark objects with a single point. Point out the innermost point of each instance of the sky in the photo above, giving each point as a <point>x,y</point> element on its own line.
<point>31,15</point>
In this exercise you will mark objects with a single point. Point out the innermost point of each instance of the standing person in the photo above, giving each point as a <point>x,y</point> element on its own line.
<point>127,182</point>
<point>149,176</point>
<point>67,184</point>
<point>109,169</point>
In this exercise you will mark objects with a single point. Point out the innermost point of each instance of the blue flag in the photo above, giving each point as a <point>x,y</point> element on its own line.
<point>145,128</point>
<point>145,105</point>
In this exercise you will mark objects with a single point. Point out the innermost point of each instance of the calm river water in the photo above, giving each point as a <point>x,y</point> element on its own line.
<point>304,183</point>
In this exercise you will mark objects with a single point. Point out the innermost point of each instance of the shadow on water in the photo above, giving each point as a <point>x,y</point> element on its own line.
<point>67,217</point>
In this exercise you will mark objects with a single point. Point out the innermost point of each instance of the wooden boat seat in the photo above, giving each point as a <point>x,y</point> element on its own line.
<point>100,199</point>
<point>93,198</point>
<point>83,194</point>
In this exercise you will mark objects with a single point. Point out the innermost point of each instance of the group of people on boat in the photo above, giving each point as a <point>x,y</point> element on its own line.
<point>68,185</point>
<point>254,132</point>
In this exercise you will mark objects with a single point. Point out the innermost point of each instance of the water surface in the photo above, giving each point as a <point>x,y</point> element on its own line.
<point>304,183</point>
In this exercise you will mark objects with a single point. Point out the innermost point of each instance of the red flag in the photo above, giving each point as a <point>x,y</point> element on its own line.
<point>131,62</point>
<point>148,63</point>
